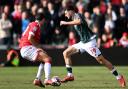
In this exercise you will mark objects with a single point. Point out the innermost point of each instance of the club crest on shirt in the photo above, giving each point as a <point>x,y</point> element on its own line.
<point>34,29</point>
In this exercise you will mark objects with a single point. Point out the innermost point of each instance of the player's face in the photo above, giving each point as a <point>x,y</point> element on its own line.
<point>68,14</point>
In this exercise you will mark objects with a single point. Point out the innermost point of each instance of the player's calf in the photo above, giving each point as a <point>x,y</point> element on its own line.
<point>105,62</point>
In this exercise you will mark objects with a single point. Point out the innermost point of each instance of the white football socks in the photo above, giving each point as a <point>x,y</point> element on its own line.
<point>47,70</point>
<point>68,65</point>
<point>118,77</point>
<point>70,74</point>
<point>40,70</point>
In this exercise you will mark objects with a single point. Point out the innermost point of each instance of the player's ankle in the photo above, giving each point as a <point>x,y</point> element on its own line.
<point>70,74</point>
<point>118,77</point>
<point>37,78</point>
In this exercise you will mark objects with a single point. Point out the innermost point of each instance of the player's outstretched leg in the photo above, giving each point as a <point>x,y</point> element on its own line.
<point>47,70</point>
<point>113,70</point>
<point>37,81</point>
<point>67,57</point>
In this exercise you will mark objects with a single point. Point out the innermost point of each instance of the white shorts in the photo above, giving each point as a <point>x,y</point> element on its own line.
<point>29,52</point>
<point>90,47</point>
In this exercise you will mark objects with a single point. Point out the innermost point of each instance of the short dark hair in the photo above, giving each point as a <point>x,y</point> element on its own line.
<point>39,16</point>
<point>70,8</point>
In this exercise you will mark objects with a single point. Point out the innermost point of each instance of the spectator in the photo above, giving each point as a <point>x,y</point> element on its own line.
<point>81,9</point>
<point>116,4</point>
<point>28,5</point>
<point>7,11</point>
<point>58,37</point>
<point>33,12</point>
<point>72,38</point>
<point>25,21</point>
<point>92,4</point>
<point>121,23</point>
<point>17,22</point>
<point>57,4</point>
<point>53,16</point>
<point>108,32</point>
<point>44,5</point>
<point>88,18</point>
<point>45,28</point>
<point>125,5</point>
<point>111,11</point>
<point>96,31</point>
<point>107,42</point>
<point>5,27</point>
<point>107,39</point>
<point>81,3</point>
<point>98,19</point>
<point>109,22</point>
<point>17,12</point>
<point>124,40</point>
<point>103,7</point>
<point>10,17</point>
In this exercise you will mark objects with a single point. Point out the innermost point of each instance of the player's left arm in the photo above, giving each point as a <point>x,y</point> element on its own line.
<point>74,22</point>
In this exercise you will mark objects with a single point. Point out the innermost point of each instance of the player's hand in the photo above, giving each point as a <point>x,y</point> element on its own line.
<point>62,23</point>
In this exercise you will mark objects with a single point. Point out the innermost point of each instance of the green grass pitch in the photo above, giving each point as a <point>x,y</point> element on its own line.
<point>85,78</point>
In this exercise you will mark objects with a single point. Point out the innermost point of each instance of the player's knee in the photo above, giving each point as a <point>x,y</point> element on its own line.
<point>48,60</point>
<point>65,54</point>
<point>99,59</point>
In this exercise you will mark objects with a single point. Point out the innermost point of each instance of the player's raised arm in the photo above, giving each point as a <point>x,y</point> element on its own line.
<point>32,34</point>
<point>74,22</point>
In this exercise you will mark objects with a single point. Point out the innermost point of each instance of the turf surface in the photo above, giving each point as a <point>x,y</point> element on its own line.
<point>85,78</point>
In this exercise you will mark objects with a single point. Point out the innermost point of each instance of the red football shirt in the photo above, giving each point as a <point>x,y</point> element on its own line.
<point>33,29</point>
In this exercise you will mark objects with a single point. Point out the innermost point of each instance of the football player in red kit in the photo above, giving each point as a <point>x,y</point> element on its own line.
<point>30,49</point>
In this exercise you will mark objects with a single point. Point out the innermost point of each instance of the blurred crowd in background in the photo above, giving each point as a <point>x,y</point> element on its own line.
<point>107,18</point>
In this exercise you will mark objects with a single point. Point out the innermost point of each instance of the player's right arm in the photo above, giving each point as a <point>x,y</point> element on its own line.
<point>74,22</point>
<point>31,36</point>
